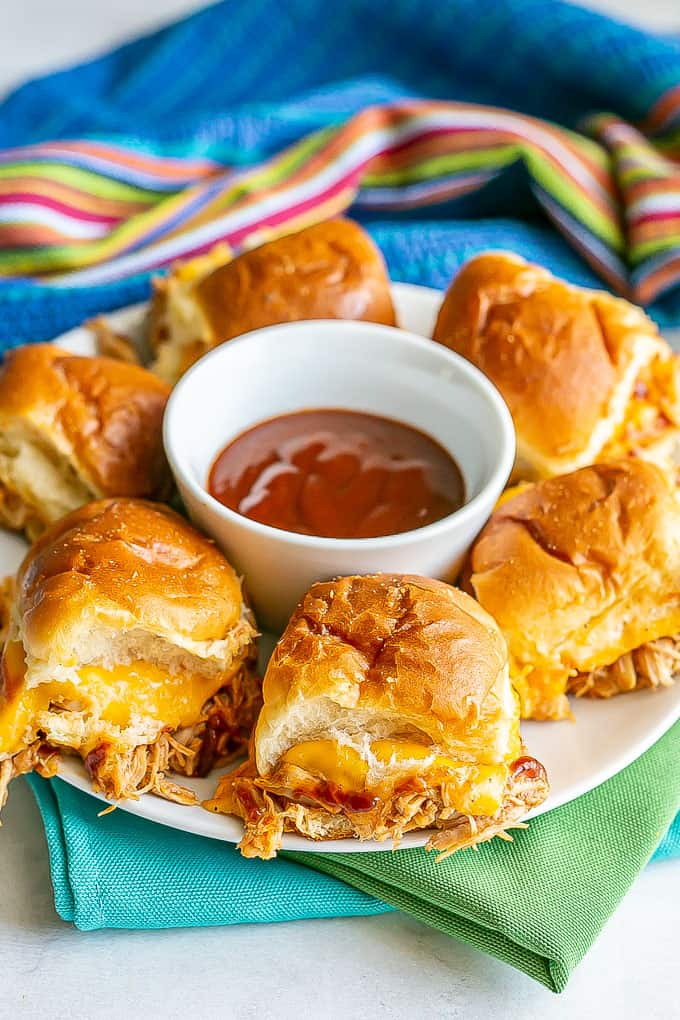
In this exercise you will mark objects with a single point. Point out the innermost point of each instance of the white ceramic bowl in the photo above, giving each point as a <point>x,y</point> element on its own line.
<point>355,365</point>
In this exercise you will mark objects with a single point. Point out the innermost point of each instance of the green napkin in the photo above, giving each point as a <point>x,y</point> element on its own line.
<point>540,902</point>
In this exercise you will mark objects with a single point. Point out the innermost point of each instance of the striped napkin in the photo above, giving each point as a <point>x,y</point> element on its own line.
<point>114,169</point>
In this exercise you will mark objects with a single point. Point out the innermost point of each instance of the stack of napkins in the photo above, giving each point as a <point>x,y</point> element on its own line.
<point>537,903</point>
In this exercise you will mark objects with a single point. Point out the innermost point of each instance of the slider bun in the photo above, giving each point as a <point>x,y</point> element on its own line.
<point>75,428</point>
<point>580,569</point>
<point>123,579</point>
<point>177,331</point>
<point>565,359</point>
<point>332,270</point>
<point>329,271</point>
<point>386,655</point>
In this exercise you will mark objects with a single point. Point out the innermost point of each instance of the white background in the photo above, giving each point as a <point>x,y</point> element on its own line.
<point>381,967</point>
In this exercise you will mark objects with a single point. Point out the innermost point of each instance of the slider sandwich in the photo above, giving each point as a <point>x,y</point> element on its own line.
<point>387,708</point>
<point>129,645</point>
<point>332,270</point>
<point>74,429</point>
<point>586,375</point>
<point>582,575</point>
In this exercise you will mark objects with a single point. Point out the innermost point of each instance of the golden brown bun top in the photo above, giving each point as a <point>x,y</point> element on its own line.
<point>129,564</point>
<point>332,270</point>
<point>107,412</point>
<point>561,356</point>
<point>406,650</point>
<point>579,569</point>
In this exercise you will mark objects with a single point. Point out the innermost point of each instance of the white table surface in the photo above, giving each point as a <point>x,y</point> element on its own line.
<point>384,967</point>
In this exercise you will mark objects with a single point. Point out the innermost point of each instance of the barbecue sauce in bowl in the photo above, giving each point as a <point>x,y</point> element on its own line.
<point>337,473</point>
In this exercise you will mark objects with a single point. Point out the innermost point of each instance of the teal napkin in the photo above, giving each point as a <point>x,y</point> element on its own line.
<point>669,846</point>
<point>537,904</point>
<point>120,871</point>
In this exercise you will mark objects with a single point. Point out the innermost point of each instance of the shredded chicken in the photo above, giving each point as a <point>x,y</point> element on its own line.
<point>651,427</point>
<point>221,733</point>
<point>115,773</point>
<point>120,773</point>
<point>111,344</point>
<point>268,812</point>
<point>651,665</point>
<point>224,727</point>
<point>39,757</point>
<point>18,515</point>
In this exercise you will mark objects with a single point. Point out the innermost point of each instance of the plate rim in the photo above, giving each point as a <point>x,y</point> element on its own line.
<point>72,770</point>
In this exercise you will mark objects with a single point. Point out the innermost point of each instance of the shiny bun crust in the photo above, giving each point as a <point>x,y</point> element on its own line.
<point>564,358</point>
<point>99,419</point>
<point>580,569</point>
<point>329,271</point>
<point>332,270</point>
<point>394,652</point>
<point>126,565</point>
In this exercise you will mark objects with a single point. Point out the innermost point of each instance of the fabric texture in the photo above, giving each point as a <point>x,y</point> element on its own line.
<point>538,903</point>
<point>119,871</point>
<point>111,169</point>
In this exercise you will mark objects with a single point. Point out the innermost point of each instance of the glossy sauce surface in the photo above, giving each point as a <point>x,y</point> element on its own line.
<point>337,474</point>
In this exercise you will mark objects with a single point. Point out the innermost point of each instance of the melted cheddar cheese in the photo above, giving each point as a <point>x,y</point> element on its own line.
<point>653,409</point>
<point>474,788</point>
<point>111,698</point>
<point>197,268</point>
<point>336,763</point>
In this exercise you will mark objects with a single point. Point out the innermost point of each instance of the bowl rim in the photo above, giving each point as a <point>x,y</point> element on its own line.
<point>498,475</point>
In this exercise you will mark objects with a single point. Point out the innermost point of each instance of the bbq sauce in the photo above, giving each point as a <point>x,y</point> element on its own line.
<point>337,474</point>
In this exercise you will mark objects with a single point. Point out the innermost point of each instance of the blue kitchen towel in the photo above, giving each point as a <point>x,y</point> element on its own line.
<point>235,83</point>
<point>120,871</point>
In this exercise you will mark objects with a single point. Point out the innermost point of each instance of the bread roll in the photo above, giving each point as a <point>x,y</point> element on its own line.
<point>73,429</point>
<point>332,270</point>
<point>387,708</point>
<point>586,376</point>
<point>130,645</point>
<point>581,573</point>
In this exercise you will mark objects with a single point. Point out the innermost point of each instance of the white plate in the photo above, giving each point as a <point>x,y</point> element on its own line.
<point>606,736</point>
